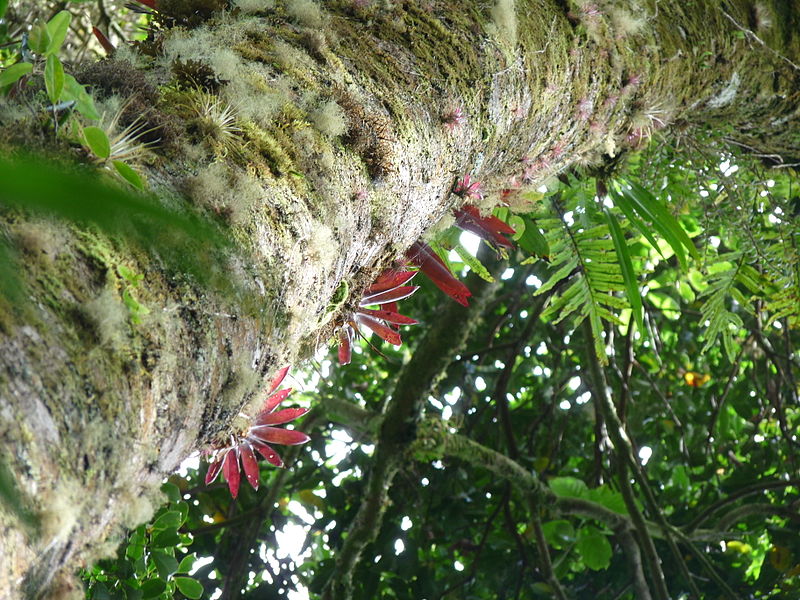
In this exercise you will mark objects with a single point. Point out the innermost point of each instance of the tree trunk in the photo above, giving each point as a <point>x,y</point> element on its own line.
<point>346,144</point>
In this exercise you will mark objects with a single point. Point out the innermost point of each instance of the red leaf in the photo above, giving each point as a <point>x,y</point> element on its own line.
<point>230,469</point>
<point>385,333</point>
<point>429,263</point>
<point>277,435</point>
<point>278,379</point>
<point>274,400</point>
<point>250,464</point>
<point>392,295</point>
<point>488,228</point>
<point>389,279</point>
<point>282,416</point>
<point>267,452</point>
<point>214,469</point>
<point>104,41</point>
<point>345,345</point>
<point>150,3</point>
<point>389,316</point>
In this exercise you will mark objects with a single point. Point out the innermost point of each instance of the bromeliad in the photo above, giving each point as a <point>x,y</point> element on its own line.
<point>238,453</point>
<point>384,321</point>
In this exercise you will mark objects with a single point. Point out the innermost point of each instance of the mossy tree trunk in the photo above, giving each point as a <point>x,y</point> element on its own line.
<point>328,139</point>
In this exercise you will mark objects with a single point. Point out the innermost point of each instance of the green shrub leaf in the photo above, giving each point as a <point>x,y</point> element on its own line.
<point>191,588</point>
<point>97,140</point>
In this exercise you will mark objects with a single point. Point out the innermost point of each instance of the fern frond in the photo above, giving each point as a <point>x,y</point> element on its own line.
<point>585,264</point>
<point>728,270</point>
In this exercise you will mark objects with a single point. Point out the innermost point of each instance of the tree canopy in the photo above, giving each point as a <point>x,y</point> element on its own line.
<point>602,401</point>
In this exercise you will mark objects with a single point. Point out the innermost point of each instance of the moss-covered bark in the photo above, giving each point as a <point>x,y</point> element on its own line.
<point>319,135</point>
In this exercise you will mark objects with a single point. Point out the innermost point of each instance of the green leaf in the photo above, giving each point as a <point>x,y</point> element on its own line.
<point>191,588</point>
<point>166,539</point>
<point>667,225</point>
<point>57,28</point>
<point>473,262</point>
<point>628,273</point>
<point>152,588</point>
<point>13,73</point>
<point>3,8</point>
<point>77,93</point>
<point>187,562</point>
<point>626,207</point>
<point>186,242</point>
<point>165,564</point>
<point>611,499</point>
<point>528,237</point>
<point>97,140</point>
<point>559,534</point>
<point>172,491</point>
<point>169,520</point>
<point>39,38</point>
<point>128,174</point>
<point>594,548</point>
<point>54,78</point>
<point>568,487</point>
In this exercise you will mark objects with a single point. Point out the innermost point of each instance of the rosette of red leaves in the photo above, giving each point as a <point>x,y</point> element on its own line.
<point>424,257</point>
<point>488,228</point>
<point>239,454</point>
<point>388,288</point>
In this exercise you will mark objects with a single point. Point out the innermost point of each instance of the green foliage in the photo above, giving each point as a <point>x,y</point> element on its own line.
<point>83,197</point>
<point>154,561</point>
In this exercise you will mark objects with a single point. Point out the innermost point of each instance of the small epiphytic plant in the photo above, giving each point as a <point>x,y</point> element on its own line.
<point>454,118</point>
<point>423,256</point>
<point>466,187</point>
<point>387,290</point>
<point>236,454</point>
<point>488,228</point>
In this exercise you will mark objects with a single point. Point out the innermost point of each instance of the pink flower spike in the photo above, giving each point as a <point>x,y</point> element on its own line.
<point>467,188</point>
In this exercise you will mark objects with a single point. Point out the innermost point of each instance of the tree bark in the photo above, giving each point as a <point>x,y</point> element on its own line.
<point>344,150</point>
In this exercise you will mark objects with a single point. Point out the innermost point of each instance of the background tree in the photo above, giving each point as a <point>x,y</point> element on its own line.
<point>323,156</point>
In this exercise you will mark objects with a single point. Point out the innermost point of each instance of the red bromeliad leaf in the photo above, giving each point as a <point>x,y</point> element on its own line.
<point>278,379</point>
<point>392,295</point>
<point>391,317</point>
<point>238,455</point>
<point>386,333</point>
<point>250,465</point>
<point>149,3</point>
<point>488,228</point>
<point>429,263</point>
<point>267,452</point>
<point>230,469</point>
<point>276,435</point>
<point>104,41</point>
<point>345,345</point>
<point>280,417</point>
<point>213,470</point>
<point>274,400</point>
<point>389,279</point>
